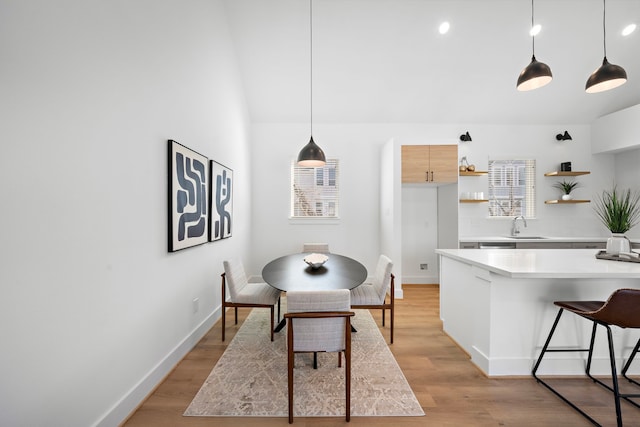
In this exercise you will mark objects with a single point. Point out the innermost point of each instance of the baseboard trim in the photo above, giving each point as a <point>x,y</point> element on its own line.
<point>132,400</point>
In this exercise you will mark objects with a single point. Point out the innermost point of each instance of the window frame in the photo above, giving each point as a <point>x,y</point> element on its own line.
<point>523,193</point>
<point>323,198</point>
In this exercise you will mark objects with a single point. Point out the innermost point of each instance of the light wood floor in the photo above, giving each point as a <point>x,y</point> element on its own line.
<point>450,389</point>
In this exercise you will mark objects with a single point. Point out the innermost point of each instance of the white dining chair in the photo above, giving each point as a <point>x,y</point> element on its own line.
<point>243,293</point>
<point>319,321</point>
<point>373,295</point>
<point>320,248</point>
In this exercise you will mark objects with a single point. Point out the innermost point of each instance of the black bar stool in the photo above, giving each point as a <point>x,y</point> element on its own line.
<point>622,309</point>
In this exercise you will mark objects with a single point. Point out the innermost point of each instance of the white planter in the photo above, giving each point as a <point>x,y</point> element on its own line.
<point>618,243</point>
<point>567,197</point>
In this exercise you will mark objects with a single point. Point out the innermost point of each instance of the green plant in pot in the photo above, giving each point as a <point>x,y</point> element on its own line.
<point>566,187</point>
<point>619,211</point>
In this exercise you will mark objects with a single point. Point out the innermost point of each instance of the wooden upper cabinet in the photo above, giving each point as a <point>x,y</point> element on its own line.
<point>430,163</point>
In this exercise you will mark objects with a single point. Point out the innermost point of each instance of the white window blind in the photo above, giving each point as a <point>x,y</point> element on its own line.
<point>512,189</point>
<point>315,191</point>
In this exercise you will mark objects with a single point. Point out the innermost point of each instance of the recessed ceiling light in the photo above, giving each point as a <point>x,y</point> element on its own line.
<point>628,29</point>
<point>444,27</point>
<point>535,30</point>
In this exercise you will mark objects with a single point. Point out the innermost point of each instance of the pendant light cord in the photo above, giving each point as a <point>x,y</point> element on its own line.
<point>533,37</point>
<point>311,65</point>
<point>604,26</point>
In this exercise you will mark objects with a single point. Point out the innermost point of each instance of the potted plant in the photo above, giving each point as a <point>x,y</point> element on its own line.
<point>566,187</point>
<point>619,210</point>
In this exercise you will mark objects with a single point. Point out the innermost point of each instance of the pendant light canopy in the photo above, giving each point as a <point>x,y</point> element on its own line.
<point>311,154</point>
<point>608,76</point>
<point>536,74</point>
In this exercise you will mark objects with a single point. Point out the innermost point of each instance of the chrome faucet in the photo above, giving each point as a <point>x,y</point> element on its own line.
<point>514,225</point>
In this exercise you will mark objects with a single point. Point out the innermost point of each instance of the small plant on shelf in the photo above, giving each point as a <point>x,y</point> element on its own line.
<point>567,187</point>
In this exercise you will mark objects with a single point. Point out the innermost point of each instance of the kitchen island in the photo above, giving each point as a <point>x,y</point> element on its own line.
<point>497,304</point>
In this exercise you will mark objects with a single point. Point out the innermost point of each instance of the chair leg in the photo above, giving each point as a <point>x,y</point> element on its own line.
<point>347,369</point>
<point>628,364</point>
<point>391,310</point>
<point>236,308</point>
<point>290,360</point>
<point>383,316</point>
<point>614,376</point>
<point>224,312</point>
<point>546,349</point>
<point>272,325</point>
<point>315,360</point>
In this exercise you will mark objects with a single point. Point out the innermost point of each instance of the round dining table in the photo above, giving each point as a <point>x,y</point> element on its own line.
<point>292,273</point>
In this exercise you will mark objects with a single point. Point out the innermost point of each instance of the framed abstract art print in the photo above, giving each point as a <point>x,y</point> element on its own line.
<point>188,197</point>
<point>221,210</point>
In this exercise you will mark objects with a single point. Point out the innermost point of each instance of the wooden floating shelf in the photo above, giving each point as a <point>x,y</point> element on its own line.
<point>567,173</point>
<point>473,200</point>
<point>474,173</point>
<point>565,202</point>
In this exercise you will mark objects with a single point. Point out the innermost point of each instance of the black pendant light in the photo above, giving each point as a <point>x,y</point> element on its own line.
<point>311,154</point>
<point>608,76</point>
<point>536,74</point>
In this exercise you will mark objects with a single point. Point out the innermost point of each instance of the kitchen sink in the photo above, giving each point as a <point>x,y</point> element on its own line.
<point>527,237</point>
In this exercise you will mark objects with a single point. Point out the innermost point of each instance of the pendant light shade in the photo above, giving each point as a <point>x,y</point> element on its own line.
<point>311,155</point>
<point>536,74</point>
<point>608,76</point>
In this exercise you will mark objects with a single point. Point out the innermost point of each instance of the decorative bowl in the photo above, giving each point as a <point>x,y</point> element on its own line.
<point>316,260</point>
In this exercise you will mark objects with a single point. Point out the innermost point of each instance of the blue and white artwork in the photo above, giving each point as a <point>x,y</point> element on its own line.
<point>188,197</point>
<point>221,201</point>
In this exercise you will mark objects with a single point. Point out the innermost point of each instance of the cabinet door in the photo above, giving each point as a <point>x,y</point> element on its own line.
<point>415,163</point>
<point>430,163</point>
<point>443,163</point>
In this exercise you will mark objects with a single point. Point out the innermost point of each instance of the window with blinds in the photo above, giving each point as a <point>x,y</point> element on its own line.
<point>512,189</point>
<point>314,191</point>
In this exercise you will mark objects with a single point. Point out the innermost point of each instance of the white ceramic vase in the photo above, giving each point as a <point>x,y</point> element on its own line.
<point>567,197</point>
<point>618,243</point>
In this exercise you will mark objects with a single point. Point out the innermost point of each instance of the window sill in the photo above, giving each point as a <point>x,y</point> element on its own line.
<point>314,220</point>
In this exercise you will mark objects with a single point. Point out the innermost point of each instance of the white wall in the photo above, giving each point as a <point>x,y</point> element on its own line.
<point>94,311</point>
<point>419,233</point>
<point>539,143</point>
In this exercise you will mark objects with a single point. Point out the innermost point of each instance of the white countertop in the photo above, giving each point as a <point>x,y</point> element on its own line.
<point>544,263</point>
<point>523,238</point>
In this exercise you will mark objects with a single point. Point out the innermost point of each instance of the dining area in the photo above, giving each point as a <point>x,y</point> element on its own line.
<point>311,304</point>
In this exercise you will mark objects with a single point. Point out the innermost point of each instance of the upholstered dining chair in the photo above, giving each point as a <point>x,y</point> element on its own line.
<point>243,293</point>
<point>319,321</point>
<point>319,248</point>
<point>621,309</point>
<point>374,295</point>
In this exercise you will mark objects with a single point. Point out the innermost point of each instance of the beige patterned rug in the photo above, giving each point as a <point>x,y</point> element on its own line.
<point>250,379</point>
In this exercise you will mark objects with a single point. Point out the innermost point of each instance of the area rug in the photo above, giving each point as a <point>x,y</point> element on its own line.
<point>250,379</point>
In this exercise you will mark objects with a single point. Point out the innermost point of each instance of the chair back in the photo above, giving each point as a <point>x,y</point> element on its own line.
<point>236,278</point>
<point>319,248</point>
<point>321,334</point>
<point>382,277</point>
<point>621,309</point>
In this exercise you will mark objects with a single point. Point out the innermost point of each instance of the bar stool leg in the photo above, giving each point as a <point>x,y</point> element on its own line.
<point>545,349</point>
<point>628,364</point>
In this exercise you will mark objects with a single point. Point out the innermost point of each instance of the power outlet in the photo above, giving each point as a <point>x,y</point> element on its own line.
<point>196,305</point>
<point>424,266</point>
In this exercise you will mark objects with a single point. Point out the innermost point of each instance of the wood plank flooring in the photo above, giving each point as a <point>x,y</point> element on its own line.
<point>451,390</point>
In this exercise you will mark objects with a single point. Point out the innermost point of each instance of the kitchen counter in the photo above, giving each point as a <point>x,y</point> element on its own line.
<point>497,304</point>
<point>544,263</point>
<point>550,239</point>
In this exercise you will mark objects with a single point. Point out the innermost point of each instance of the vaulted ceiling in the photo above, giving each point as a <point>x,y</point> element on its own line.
<point>385,61</point>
